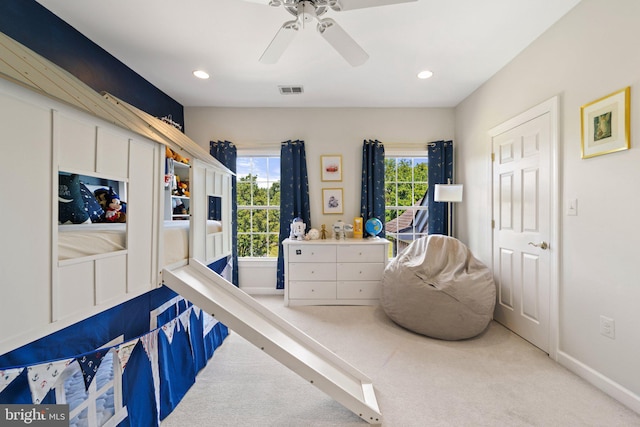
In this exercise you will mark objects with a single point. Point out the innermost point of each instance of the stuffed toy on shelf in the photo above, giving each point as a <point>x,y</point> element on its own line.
<point>181,188</point>
<point>114,209</point>
<point>114,213</point>
<point>170,154</point>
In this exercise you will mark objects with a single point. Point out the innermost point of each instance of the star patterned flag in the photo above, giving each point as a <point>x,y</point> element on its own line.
<point>43,378</point>
<point>8,375</point>
<point>89,364</point>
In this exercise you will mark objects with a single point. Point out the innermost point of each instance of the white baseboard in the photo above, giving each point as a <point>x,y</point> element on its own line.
<point>262,291</point>
<point>608,386</point>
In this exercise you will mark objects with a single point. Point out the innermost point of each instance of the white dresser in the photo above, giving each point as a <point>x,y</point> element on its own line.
<point>334,272</point>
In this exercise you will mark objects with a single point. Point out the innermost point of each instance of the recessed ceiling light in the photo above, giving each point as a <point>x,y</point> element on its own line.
<point>201,74</point>
<point>425,74</point>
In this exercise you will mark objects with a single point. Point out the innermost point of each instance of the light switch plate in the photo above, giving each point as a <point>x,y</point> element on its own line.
<point>572,207</point>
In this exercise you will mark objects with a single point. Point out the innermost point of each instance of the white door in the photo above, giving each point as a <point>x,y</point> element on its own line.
<point>523,223</point>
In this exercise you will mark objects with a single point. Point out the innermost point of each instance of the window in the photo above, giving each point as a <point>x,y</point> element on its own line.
<point>101,403</point>
<point>406,214</point>
<point>258,184</point>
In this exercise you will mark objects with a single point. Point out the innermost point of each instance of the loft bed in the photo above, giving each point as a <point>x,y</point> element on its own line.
<point>74,288</point>
<point>60,126</point>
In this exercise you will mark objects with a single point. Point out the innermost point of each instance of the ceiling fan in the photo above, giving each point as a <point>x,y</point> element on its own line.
<point>307,11</point>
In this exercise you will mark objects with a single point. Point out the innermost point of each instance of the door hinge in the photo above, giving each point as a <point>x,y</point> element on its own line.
<point>493,224</point>
<point>493,157</point>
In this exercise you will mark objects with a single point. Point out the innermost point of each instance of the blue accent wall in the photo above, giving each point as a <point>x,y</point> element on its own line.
<point>29,23</point>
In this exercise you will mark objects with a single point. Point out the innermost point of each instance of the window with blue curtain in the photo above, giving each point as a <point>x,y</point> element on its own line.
<point>440,154</point>
<point>294,195</point>
<point>372,203</point>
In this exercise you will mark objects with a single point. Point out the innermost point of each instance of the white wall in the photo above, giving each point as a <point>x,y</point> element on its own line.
<point>590,53</point>
<point>325,131</point>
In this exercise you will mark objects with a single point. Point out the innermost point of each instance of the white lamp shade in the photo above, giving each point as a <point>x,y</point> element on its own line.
<point>448,193</point>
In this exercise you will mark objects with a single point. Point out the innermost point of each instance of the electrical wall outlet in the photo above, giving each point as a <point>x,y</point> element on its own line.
<point>608,327</point>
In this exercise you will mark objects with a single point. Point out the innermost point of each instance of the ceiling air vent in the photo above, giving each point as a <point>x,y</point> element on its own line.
<point>290,90</point>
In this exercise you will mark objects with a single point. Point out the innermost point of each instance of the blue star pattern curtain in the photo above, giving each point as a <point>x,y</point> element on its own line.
<point>226,153</point>
<point>372,203</point>
<point>294,195</point>
<point>440,172</point>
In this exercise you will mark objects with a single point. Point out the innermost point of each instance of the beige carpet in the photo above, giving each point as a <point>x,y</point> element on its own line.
<point>496,379</point>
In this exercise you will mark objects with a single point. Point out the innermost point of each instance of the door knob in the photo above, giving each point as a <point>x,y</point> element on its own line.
<point>543,245</point>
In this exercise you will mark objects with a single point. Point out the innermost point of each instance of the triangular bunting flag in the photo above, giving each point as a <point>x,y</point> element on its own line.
<point>89,364</point>
<point>124,352</point>
<point>196,310</point>
<point>184,319</point>
<point>7,376</point>
<point>150,343</point>
<point>42,378</point>
<point>208,322</point>
<point>169,329</point>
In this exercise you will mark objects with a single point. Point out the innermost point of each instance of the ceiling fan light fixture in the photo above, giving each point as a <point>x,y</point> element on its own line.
<point>425,74</point>
<point>201,74</point>
<point>306,12</point>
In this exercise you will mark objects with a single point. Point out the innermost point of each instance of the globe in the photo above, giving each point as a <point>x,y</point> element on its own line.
<point>373,226</point>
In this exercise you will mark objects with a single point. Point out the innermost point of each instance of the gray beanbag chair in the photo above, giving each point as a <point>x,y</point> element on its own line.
<point>436,287</point>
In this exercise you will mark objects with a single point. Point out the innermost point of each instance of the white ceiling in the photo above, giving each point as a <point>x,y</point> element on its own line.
<point>464,42</point>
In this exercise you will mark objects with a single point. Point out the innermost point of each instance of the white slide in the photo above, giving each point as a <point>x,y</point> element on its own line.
<point>277,337</point>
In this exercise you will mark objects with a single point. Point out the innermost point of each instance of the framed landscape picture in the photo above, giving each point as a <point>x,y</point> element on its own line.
<point>331,167</point>
<point>605,124</point>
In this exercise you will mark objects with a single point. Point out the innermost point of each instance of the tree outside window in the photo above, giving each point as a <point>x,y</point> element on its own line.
<point>258,185</point>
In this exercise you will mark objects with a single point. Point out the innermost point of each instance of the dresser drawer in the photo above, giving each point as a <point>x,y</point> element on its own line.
<point>361,253</point>
<point>312,290</point>
<point>312,253</point>
<point>359,290</point>
<point>311,271</point>
<point>360,271</point>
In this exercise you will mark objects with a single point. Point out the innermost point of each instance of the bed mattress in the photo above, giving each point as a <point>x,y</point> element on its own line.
<point>80,240</point>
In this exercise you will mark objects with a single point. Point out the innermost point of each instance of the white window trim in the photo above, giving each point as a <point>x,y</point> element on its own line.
<point>120,411</point>
<point>267,151</point>
<point>404,152</point>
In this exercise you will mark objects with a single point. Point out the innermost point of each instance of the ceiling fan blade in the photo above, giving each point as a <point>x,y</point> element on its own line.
<point>361,4</point>
<point>342,42</point>
<point>280,42</point>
